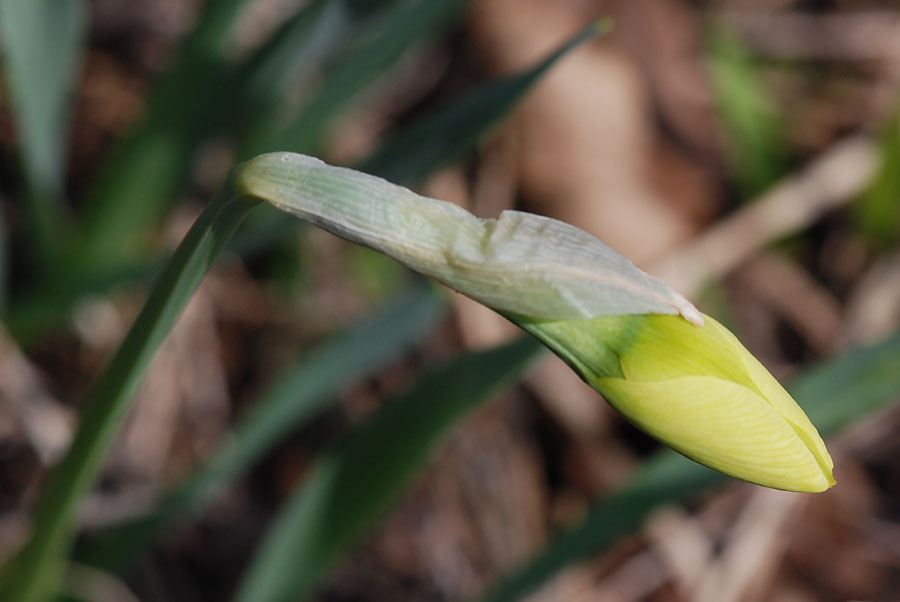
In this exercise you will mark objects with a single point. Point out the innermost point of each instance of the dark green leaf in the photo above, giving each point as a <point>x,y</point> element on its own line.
<point>304,390</point>
<point>41,44</point>
<point>33,574</point>
<point>298,53</point>
<point>444,135</point>
<point>141,173</point>
<point>353,485</point>
<point>397,29</point>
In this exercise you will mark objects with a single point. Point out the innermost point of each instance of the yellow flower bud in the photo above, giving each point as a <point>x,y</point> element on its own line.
<point>698,390</point>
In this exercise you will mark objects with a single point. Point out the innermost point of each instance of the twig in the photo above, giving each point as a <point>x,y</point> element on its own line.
<point>874,305</point>
<point>829,182</point>
<point>757,543</point>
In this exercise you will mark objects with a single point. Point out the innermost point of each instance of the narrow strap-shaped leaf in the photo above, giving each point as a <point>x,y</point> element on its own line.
<point>305,390</point>
<point>351,486</point>
<point>298,53</point>
<point>140,173</point>
<point>41,46</point>
<point>299,394</point>
<point>149,163</point>
<point>843,390</point>
<point>405,23</point>
<point>519,262</point>
<point>33,573</point>
<point>870,377</point>
<point>444,135</point>
<point>189,103</point>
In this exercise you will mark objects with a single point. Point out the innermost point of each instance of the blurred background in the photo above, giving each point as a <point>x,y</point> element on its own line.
<point>748,153</point>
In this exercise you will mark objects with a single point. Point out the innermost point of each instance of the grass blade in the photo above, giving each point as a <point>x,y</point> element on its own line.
<point>869,376</point>
<point>409,21</point>
<point>34,572</point>
<point>447,133</point>
<point>307,389</point>
<point>297,53</point>
<point>157,151</point>
<point>142,171</point>
<point>351,486</point>
<point>407,158</point>
<point>320,376</point>
<point>41,46</point>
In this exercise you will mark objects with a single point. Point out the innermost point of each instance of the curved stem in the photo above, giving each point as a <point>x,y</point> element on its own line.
<point>34,572</point>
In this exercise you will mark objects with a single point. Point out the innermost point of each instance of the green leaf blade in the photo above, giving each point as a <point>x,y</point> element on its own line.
<point>33,574</point>
<point>42,43</point>
<point>448,132</point>
<point>302,391</point>
<point>141,172</point>
<point>399,27</point>
<point>349,488</point>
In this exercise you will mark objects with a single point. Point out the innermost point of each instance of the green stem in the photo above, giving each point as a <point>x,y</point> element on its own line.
<point>34,572</point>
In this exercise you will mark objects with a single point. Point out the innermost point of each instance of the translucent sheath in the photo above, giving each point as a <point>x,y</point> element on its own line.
<point>519,262</point>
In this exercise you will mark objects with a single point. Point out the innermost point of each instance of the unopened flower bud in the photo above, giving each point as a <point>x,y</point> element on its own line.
<point>680,377</point>
<point>699,391</point>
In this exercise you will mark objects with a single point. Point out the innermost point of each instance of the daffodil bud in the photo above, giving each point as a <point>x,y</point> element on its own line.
<point>698,390</point>
<point>677,375</point>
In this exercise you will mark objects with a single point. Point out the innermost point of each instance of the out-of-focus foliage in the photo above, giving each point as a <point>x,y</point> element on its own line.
<point>41,45</point>
<point>96,238</point>
<point>445,134</point>
<point>132,192</point>
<point>302,392</point>
<point>879,208</point>
<point>754,130</point>
<point>352,485</point>
<point>33,573</point>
